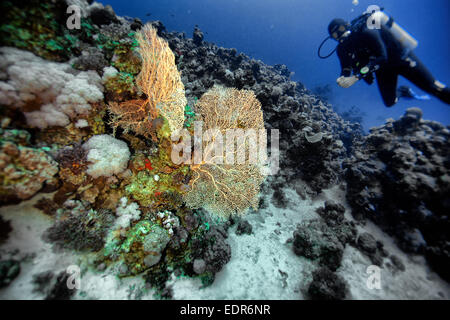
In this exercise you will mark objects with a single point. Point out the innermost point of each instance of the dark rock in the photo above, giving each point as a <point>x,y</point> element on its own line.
<point>244,227</point>
<point>315,240</point>
<point>179,237</point>
<point>370,247</point>
<point>397,262</point>
<point>136,24</point>
<point>47,206</point>
<point>198,36</point>
<point>413,241</point>
<point>332,213</point>
<point>327,285</point>
<point>60,290</point>
<point>279,199</point>
<point>9,270</point>
<point>91,59</point>
<point>42,281</point>
<point>398,178</point>
<point>101,16</point>
<point>333,216</point>
<point>367,243</point>
<point>160,28</point>
<point>5,229</point>
<point>191,221</point>
<point>438,257</point>
<point>213,249</point>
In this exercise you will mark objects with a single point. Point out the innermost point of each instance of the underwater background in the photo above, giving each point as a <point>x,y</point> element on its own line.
<point>290,31</point>
<point>93,204</point>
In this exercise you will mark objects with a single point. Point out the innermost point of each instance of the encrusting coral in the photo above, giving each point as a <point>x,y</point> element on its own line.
<point>24,170</point>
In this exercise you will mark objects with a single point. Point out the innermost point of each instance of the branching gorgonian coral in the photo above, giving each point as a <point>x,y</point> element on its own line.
<point>160,80</point>
<point>226,181</point>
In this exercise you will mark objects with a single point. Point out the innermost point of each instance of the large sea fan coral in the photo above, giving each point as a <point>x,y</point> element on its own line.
<point>160,80</point>
<point>228,188</point>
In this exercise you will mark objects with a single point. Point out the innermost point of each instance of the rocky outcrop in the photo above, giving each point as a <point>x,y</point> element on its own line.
<point>327,285</point>
<point>324,239</point>
<point>399,177</point>
<point>212,249</point>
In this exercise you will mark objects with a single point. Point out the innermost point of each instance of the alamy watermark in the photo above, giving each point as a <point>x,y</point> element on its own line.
<point>236,146</point>
<point>74,20</point>
<point>74,279</point>
<point>374,20</point>
<point>374,279</point>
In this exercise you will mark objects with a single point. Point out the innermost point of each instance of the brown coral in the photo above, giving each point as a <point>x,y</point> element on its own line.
<point>24,171</point>
<point>134,115</point>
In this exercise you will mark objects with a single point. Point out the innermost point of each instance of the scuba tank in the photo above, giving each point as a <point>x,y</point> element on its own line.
<point>379,18</point>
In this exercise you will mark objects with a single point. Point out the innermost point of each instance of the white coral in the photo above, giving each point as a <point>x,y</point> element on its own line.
<point>61,91</point>
<point>127,213</point>
<point>107,155</point>
<point>108,73</point>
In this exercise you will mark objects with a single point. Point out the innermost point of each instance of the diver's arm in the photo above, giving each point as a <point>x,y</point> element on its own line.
<point>346,79</point>
<point>378,49</point>
<point>346,62</point>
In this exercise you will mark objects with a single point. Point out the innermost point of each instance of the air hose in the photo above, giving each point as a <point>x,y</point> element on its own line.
<point>320,48</point>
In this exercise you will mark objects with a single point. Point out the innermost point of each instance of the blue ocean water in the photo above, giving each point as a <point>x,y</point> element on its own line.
<point>290,31</point>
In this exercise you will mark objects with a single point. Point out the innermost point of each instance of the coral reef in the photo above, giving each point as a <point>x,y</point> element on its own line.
<point>93,116</point>
<point>398,177</point>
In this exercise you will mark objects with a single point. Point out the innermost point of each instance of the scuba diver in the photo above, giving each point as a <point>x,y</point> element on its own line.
<point>386,52</point>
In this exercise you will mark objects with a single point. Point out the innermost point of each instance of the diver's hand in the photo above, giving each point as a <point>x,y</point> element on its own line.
<point>346,82</point>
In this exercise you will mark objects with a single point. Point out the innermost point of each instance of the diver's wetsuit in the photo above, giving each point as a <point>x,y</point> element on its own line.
<point>379,48</point>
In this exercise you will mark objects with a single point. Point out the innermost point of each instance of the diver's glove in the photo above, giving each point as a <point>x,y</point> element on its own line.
<point>346,82</point>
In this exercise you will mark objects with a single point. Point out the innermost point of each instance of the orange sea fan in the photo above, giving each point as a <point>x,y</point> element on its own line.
<point>160,80</point>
